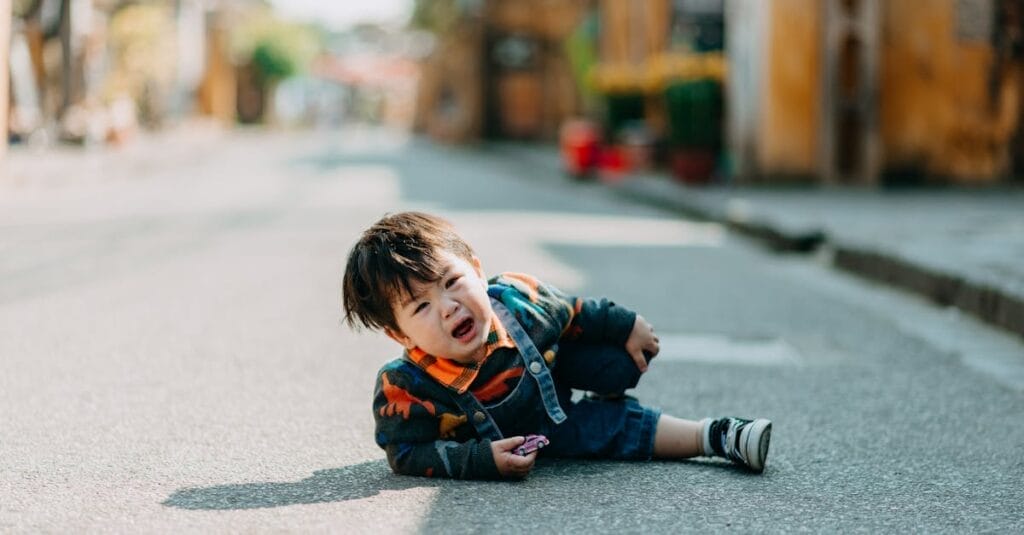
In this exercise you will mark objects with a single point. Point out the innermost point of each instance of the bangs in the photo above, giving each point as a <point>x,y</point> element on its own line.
<point>384,271</point>
<point>392,254</point>
<point>394,271</point>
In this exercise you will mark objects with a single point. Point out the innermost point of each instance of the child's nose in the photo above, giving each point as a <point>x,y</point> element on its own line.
<point>450,307</point>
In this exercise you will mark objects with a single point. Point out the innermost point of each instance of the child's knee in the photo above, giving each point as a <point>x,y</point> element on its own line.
<point>603,369</point>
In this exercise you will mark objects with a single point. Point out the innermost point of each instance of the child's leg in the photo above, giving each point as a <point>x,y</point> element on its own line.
<point>604,429</point>
<point>676,438</point>
<point>744,442</point>
<point>598,368</point>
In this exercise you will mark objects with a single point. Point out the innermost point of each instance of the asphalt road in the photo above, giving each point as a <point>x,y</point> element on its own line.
<point>174,360</point>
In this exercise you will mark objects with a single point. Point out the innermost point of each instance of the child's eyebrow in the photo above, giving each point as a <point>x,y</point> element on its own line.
<point>409,300</point>
<point>415,296</point>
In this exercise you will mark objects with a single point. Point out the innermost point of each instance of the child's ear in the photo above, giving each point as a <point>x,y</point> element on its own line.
<point>475,260</point>
<point>399,337</point>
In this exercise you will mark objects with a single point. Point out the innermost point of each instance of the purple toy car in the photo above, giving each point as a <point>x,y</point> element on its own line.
<point>532,444</point>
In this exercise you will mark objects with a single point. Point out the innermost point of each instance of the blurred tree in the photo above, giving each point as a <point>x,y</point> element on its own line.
<point>276,49</point>
<point>581,47</point>
<point>437,16</point>
<point>273,60</point>
<point>25,8</point>
<point>267,51</point>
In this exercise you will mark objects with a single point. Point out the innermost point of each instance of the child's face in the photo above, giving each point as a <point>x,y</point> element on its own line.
<point>450,318</point>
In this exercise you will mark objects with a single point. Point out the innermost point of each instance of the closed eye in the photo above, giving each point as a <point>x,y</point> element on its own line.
<point>451,281</point>
<point>420,307</point>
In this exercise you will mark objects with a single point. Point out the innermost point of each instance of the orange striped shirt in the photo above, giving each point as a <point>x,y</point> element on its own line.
<point>456,375</point>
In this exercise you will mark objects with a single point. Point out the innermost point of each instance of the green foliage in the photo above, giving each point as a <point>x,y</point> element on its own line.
<point>273,61</point>
<point>436,16</point>
<point>22,8</point>
<point>581,49</point>
<point>277,49</point>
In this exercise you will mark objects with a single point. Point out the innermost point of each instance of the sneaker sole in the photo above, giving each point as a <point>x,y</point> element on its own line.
<point>759,434</point>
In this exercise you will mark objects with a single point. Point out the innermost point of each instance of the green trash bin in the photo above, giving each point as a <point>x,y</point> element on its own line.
<point>695,113</point>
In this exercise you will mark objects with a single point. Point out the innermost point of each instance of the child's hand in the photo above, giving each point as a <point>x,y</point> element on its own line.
<point>641,340</point>
<point>510,464</point>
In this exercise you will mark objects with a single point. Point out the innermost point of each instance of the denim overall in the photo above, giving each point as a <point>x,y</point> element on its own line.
<point>619,429</point>
<point>519,411</point>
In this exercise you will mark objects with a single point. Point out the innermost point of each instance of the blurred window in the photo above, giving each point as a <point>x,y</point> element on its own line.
<point>515,52</point>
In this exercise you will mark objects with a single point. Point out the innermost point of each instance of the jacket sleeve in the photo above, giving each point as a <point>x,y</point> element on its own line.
<point>442,458</point>
<point>600,321</point>
<point>592,320</point>
<point>408,428</point>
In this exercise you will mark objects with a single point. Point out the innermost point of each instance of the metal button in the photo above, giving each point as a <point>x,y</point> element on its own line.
<point>535,367</point>
<point>479,417</point>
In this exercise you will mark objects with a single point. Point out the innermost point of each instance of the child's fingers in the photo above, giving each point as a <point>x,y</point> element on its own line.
<point>511,464</point>
<point>638,358</point>
<point>524,461</point>
<point>520,466</point>
<point>508,444</point>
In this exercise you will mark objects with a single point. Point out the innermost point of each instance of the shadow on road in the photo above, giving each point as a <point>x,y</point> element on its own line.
<point>332,485</point>
<point>368,479</point>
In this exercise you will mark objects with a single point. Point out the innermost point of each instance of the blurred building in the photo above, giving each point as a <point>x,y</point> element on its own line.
<point>868,91</point>
<point>858,92</point>
<point>83,70</point>
<point>499,69</point>
<point>369,74</point>
<point>96,71</point>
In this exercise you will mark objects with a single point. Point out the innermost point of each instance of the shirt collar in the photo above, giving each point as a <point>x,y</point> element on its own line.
<point>455,375</point>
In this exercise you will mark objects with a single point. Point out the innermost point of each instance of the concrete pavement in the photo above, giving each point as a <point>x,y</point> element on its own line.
<point>958,247</point>
<point>174,359</point>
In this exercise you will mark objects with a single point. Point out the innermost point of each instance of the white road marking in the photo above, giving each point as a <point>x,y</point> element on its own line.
<point>718,349</point>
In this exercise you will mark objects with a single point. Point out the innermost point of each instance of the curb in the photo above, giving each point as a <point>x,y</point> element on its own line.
<point>996,306</point>
<point>795,241</point>
<point>993,305</point>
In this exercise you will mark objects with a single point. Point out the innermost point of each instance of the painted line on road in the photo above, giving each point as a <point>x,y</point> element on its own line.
<point>718,349</point>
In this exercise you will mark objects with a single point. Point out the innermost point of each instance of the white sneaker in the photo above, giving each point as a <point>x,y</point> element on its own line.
<point>744,442</point>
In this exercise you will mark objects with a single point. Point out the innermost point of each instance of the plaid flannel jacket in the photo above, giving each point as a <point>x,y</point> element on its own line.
<point>418,423</point>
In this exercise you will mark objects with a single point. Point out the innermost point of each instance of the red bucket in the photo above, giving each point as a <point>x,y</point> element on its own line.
<point>579,142</point>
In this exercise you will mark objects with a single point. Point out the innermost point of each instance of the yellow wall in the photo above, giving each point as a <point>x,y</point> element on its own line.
<point>550,19</point>
<point>788,129</point>
<point>218,89</point>
<point>935,113</point>
<point>633,30</point>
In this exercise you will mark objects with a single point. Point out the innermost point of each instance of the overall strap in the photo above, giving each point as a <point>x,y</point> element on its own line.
<point>535,363</point>
<point>477,415</point>
<point>472,408</point>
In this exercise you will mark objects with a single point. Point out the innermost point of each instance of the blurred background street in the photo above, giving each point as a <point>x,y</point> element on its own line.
<point>817,204</point>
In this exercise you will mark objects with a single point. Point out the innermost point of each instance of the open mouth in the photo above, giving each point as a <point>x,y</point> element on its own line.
<point>463,328</point>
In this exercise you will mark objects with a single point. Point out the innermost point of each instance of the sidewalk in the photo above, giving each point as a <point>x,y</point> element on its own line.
<point>962,248</point>
<point>27,169</point>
